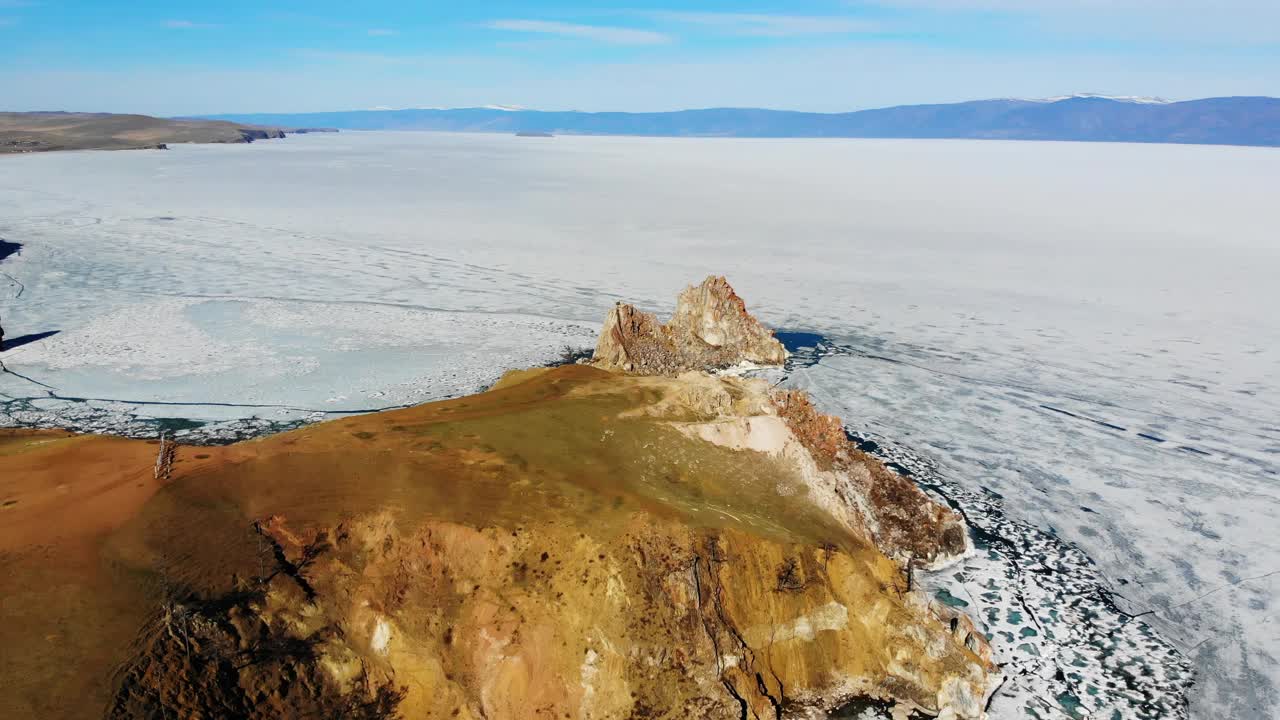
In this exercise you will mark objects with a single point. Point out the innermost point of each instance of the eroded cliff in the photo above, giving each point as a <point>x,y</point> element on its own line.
<point>574,543</point>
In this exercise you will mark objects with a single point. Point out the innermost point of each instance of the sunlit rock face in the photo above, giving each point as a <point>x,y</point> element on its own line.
<point>903,522</point>
<point>710,329</point>
<point>573,543</point>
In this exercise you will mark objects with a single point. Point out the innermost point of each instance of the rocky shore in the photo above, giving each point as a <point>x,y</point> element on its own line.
<point>576,542</point>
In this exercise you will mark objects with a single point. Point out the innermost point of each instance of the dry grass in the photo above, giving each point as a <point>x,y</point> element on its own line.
<point>533,551</point>
<point>41,132</point>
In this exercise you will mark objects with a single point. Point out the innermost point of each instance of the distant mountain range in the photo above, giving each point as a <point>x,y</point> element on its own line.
<point>1214,121</point>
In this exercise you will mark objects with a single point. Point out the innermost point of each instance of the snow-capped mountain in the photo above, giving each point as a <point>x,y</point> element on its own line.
<point>1087,117</point>
<point>1136,99</point>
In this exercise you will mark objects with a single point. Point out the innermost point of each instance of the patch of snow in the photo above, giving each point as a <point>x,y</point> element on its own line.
<point>588,673</point>
<point>381,636</point>
<point>832,616</point>
<point>1135,99</point>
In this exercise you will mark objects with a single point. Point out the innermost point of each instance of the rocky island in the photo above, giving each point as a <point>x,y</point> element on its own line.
<point>637,536</point>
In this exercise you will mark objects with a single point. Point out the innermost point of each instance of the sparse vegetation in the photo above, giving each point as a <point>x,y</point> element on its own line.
<point>570,355</point>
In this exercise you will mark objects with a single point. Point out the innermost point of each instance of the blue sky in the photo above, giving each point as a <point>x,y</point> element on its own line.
<point>827,55</point>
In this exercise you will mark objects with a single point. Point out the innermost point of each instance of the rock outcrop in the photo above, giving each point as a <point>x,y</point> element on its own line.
<point>710,329</point>
<point>574,543</point>
<point>870,501</point>
<point>249,134</point>
<point>902,520</point>
<point>671,549</point>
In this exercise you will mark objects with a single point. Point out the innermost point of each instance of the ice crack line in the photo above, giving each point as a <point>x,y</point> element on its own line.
<point>168,403</point>
<point>5,369</point>
<point>807,357</point>
<point>1224,586</point>
<point>17,282</point>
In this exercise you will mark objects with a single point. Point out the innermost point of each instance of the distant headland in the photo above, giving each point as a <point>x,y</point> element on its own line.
<point>47,131</point>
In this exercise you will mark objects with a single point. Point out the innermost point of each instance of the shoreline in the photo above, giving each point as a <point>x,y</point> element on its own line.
<point>1063,643</point>
<point>1081,651</point>
<point>743,555</point>
<point>1055,631</point>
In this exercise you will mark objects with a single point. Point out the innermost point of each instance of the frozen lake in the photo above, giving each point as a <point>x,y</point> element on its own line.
<point>1087,330</point>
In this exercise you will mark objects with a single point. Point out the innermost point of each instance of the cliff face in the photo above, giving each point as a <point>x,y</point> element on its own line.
<point>249,134</point>
<point>574,543</point>
<point>710,329</point>
<point>902,521</point>
<point>620,566</point>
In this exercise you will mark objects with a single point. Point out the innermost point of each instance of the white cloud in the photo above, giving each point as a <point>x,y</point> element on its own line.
<point>1250,21</point>
<point>599,33</point>
<point>187,25</point>
<point>766,25</point>
<point>798,78</point>
<point>348,57</point>
<point>382,32</point>
<point>1041,5</point>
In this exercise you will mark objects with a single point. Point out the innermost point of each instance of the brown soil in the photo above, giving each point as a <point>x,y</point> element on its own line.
<point>65,607</point>
<point>539,550</point>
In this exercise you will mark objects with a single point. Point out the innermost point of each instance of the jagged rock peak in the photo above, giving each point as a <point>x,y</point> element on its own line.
<point>710,329</point>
